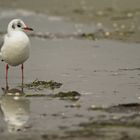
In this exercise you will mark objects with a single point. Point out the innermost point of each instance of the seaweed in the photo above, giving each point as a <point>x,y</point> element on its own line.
<point>70,95</point>
<point>40,85</point>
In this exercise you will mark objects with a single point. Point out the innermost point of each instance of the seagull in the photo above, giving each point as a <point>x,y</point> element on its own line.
<point>16,45</point>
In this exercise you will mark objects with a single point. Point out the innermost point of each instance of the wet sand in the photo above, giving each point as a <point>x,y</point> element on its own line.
<point>103,67</point>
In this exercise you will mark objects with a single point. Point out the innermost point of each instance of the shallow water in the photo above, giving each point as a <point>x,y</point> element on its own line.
<point>104,71</point>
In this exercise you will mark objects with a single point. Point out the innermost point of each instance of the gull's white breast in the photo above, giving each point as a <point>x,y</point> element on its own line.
<point>15,50</point>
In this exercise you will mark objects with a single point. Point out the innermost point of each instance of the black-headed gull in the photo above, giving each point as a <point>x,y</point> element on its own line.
<point>15,48</point>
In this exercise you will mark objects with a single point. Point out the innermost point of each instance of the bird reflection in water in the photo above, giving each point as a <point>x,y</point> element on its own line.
<point>15,107</point>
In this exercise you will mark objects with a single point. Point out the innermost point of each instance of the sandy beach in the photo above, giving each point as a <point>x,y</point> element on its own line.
<point>82,80</point>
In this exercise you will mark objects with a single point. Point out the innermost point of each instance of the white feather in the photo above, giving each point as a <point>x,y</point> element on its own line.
<point>15,49</point>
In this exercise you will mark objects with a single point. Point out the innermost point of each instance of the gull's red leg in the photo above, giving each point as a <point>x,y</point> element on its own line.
<point>7,67</point>
<point>22,68</point>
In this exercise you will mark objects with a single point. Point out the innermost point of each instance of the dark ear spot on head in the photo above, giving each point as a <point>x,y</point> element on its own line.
<point>13,26</point>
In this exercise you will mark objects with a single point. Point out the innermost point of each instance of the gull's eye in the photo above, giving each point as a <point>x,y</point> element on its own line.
<point>19,25</point>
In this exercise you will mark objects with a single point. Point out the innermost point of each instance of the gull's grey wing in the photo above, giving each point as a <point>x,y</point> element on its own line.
<point>1,42</point>
<point>1,113</point>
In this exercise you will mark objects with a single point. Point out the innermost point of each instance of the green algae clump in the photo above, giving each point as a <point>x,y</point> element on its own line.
<point>40,85</point>
<point>70,95</point>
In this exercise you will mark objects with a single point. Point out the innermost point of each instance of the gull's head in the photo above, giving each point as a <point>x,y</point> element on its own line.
<point>18,25</point>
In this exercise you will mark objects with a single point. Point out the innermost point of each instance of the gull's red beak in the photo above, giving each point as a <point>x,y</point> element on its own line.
<point>27,28</point>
